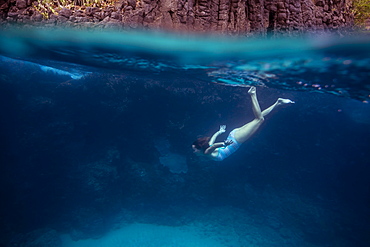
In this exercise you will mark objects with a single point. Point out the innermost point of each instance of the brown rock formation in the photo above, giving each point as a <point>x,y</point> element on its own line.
<point>220,16</point>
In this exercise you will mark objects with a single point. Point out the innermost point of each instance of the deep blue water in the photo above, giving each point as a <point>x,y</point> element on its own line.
<point>96,133</point>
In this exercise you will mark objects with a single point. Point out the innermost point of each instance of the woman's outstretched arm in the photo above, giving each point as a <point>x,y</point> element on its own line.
<point>215,135</point>
<point>213,147</point>
<point>218,145</point>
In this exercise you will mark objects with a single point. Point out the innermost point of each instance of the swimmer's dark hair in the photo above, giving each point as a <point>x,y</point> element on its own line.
<point>202,143</point>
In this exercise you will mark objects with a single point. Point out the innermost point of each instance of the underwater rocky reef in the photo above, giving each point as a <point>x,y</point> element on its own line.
<point>84,156</point>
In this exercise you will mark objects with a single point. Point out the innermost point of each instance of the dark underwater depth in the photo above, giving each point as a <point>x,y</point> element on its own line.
<point>99,153</point>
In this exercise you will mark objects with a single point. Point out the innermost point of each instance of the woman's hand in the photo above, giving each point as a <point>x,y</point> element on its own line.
<point>222,129</point>
<point>228,142</point>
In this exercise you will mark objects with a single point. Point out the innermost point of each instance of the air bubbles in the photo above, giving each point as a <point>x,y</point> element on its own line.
<point>347,62</point>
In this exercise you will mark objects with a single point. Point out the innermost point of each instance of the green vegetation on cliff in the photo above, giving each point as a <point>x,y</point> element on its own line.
<point>46,7</point>
<point>361,10</point>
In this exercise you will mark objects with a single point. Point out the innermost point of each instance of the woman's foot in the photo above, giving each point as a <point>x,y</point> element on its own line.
<point>282,101</point>
<point>252,91</point>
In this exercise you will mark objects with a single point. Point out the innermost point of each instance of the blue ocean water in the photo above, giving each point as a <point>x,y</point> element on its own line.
<point>97,126</point>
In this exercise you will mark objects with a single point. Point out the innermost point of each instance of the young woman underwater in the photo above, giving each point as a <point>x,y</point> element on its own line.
<point>218,151</point>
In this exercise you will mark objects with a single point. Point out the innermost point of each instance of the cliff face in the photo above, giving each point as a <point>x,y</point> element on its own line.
<point>222,16</point>
<point>238,16</point>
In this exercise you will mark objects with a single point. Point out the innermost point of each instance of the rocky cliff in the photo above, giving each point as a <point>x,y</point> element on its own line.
<point>221,16</point>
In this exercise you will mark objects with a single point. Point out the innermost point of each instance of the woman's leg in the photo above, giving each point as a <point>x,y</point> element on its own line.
<point>255,105</point>
<point>279,102</point>
<point>245,132</point>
